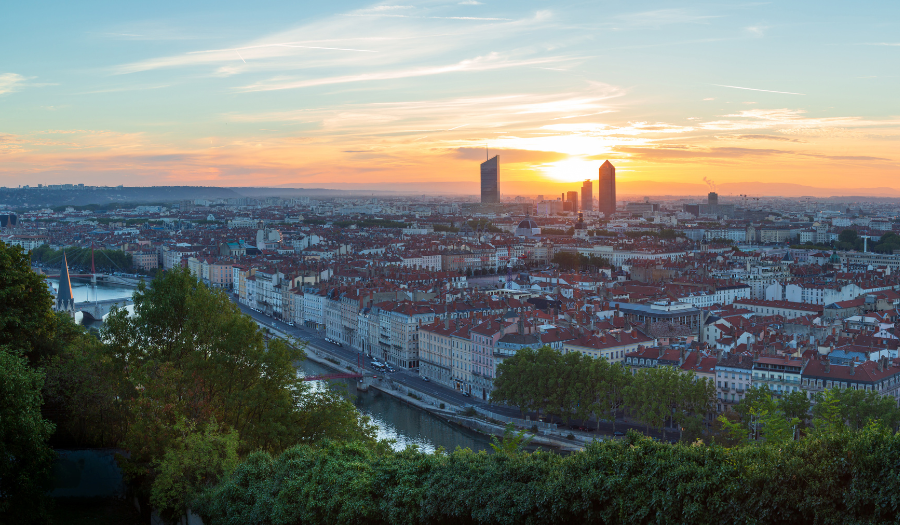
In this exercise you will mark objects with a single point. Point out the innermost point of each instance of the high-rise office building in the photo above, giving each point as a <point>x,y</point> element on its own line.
<point>606,191</point>
<point>712,199</point>
<point>572,197</point>
<point>490,180</point>
<point>587,196</point>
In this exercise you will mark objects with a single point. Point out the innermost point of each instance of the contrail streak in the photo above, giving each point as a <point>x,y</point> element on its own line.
<point>242,58</point>
<point>764,90</point>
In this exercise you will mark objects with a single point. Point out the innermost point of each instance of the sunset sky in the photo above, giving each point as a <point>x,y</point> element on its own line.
<point>313,94</point>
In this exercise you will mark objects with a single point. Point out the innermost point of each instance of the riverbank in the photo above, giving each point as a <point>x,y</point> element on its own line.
<point>466,417</point>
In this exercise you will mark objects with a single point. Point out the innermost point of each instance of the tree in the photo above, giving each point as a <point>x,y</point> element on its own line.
<point>616,381</point>
<point>189,354</point>
<point>27,321</point>
<point>862,407</point>
<point>734,432</point>
<point>198,458</point>
<point>512,443</point>
<point>772,424</point>
<point>84,395</point>
<point>826,412</point>
<point>26,457</point>
<point>795,404</point>
<point>755,396</point>
<point>647,398</point>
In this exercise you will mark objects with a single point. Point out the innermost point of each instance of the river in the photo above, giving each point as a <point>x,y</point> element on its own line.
<point>84,291</point>
<point>400,422</point>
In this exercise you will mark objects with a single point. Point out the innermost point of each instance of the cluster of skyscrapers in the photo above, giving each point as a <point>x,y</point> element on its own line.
<point>606,189</point>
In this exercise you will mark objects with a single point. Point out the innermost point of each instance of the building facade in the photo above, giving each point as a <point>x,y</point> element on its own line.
<point>606,190</point>
<point>490,180</point>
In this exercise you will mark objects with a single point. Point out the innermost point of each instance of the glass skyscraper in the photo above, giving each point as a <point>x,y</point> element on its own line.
<point>490,180</point>
<point>587,196</point>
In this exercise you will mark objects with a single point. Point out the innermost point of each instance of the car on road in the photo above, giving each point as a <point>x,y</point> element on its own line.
<point>425,379</point>
<point>391,369</point>
<point>467,394</point>
<point>618,433</point>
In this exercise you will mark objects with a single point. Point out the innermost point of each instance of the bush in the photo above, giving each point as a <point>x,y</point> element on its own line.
<point>442,406</point>
<point>841,477</point>
<point>571,436</point>
<point>534,429</point>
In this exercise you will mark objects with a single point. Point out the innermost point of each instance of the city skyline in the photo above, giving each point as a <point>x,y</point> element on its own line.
<point>381,93</point>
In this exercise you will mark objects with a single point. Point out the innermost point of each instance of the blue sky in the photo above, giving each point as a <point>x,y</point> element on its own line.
<point>311,93</point>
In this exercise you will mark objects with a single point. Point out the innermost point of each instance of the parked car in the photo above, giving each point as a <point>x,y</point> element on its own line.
<point>425,379</point>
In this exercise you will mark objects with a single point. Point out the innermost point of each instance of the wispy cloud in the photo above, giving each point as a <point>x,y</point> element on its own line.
<point>892,44</point>
<point>482,63</point>
<point>672,153</point>
<point>281,44</point>
<point>756,30</point>
<point>348,42</point>
<point>10,82</point>
<point>763,90</point>
<point>391,15</point>
<point>759,137</point>
<point>661,17</point>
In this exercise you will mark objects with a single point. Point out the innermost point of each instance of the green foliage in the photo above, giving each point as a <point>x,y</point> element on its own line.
<point>573,261</point>
<point>827,412</point>
<point>555,231</point>
<point>658,396</point>
<point>104,260</point>
<point>850,240</point>
<point>573,385</point>
<point>27,322</point>
<point>732,433</point>
<point>484,224</point>
<point>26,457</point>
<point>827,478</point>
<point>197,459</point>
<point>836,407</point>
<point>795,404</point>
<point>445,228</point>
<point>772,419</point>
<point>189,355</point>
<point>85,395</point>
<point>512,443</point>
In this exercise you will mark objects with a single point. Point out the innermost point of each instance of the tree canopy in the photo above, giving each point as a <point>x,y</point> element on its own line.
<point>576,386</point>
<point>26,457</point>
<point>189,357</point>
<point>826,478</point>
<point>27,321</point>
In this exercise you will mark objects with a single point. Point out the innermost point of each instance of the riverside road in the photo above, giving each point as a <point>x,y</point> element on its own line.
<point>412,380</point>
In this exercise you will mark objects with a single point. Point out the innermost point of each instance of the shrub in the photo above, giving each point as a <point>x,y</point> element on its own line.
<point>841,477</point>
<point>571,436</point>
